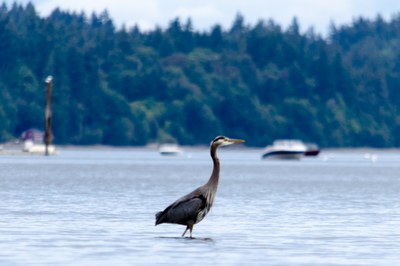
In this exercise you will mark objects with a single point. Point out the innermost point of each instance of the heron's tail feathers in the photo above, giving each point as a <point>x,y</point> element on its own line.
<point>159,219</point>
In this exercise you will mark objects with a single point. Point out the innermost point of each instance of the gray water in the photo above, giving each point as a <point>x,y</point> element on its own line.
<point>96,207</point>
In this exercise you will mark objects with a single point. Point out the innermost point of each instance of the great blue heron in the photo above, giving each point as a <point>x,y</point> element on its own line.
<point>192,208</point>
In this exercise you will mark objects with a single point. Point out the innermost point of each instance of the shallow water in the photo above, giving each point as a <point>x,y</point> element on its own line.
<point>96,207</point>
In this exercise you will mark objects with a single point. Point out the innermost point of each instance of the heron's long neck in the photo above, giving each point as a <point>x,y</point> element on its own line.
<point>215,173</point>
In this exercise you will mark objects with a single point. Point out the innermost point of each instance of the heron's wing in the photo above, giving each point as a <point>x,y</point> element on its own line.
<point>186,210</point>
<point>182,210</point>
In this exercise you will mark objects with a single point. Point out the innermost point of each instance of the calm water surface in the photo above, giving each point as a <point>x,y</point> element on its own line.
<point>96,207</point>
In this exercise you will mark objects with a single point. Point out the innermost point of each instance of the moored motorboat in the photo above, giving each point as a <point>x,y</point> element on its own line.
<point>285,149</point>
<point>170,149</point>
<point>37,148</point>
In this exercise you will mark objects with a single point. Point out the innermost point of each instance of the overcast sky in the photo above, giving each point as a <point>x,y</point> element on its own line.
<point>206,13</point>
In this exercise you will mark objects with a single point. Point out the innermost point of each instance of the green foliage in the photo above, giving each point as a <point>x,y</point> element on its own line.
<point>127,87</point>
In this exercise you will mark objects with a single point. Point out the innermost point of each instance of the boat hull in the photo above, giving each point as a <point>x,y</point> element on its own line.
<point>171,153</point>
<point>312,153</point>
<point>283,155</point>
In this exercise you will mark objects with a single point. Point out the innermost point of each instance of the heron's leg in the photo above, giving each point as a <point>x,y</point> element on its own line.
<point>185,231</point>
<point>191,229</point>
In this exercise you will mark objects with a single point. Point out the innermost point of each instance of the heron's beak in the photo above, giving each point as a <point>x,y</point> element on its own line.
<point>236,140</point>
<point>233,141</point>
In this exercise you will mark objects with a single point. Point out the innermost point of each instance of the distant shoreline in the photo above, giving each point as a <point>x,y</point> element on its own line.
<point>6,148</point>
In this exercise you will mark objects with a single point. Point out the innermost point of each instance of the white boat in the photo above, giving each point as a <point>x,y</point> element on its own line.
<point>31,147</point>
<point>285,149</point>
<point>170,149</point>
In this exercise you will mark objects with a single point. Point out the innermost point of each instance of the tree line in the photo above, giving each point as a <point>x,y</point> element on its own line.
<point>124,86</point>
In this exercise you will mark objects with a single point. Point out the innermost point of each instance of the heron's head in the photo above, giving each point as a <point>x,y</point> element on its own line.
<point>224,141</point>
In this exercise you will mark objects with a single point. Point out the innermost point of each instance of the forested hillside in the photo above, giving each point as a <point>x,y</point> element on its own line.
<point>123,86</point>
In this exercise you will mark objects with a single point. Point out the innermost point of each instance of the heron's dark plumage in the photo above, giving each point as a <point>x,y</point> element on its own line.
<point>193,207</point>
<point>183,211</point>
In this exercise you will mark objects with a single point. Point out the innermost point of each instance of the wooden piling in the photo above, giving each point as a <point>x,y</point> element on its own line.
<point>48,132</point>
